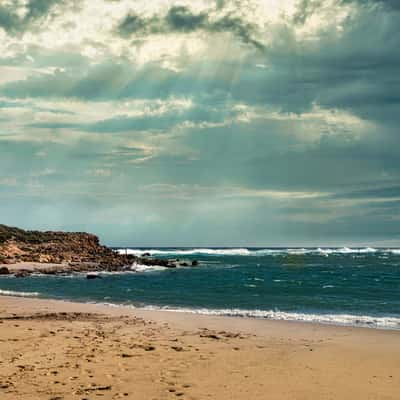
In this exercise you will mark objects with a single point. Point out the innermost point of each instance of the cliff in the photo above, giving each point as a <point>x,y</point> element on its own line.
<point>79,250</point>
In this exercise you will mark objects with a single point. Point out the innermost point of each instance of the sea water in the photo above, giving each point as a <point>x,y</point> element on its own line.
<point>342,286</point>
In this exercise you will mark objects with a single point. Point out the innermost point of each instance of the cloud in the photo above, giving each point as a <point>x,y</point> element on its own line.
<point>300,137</point>
<point>390,4</point>
<point>307,8</point>
<point>35,10</point>
<point>352,69</point>
<point>150,121</point>
<point>380,193</point>
<point>180,19</point>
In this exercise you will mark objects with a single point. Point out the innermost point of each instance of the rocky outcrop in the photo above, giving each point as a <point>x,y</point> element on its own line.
<point>93,276</point>
<point>71,251</point>
<point>4,271</point>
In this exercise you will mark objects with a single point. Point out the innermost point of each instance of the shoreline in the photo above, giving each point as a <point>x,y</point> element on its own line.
<point>345,320</point>
<point>53,349</point>
<point>37,304</point>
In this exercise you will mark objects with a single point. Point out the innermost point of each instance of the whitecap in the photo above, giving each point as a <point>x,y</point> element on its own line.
<point>395,251</point>
<point>250,252</point>
<point>198,251</point>
<point>18,294</point>
<point>146,268</point>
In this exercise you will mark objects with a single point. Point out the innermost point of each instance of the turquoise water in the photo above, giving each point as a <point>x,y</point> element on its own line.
<point>338,286</point>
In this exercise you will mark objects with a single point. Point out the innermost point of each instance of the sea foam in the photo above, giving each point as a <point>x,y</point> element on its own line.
<point>381,322</point>
<point>146,268</point>
<point>18,294</point>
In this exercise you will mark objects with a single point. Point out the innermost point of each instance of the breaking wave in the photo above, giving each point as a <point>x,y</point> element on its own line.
<point>257,252</point>
<point>186,252</point>
<point>381,322</point>
<point>18,294</point>
<point>146,268</point>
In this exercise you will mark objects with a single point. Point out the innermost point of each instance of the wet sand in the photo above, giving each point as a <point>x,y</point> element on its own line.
<point>33,266</point>
<point>59,350</point>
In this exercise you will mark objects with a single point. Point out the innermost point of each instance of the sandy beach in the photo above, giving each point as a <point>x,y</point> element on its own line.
<point>59,350</point>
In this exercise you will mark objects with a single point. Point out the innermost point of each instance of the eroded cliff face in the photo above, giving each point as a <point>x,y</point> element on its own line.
<point>18,245</point>
<point>70,251</point>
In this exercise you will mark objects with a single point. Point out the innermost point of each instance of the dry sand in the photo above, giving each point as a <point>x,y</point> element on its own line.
<point>59,350</point>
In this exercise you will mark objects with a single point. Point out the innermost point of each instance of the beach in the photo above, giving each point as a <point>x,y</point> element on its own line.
<point>53,349</point>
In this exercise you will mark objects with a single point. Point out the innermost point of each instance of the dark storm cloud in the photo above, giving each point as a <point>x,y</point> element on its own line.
<point>356,70</point>
<point>180,19</point>
<point>8,20</point>
<point>306,8</point>
<point>391,4</point>
<point>36,10</point>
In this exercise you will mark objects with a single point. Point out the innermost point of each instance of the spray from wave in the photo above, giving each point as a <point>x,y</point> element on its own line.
<point>135,267</point>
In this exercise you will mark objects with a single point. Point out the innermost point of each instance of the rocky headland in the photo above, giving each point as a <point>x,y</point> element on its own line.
<point>24,252</point>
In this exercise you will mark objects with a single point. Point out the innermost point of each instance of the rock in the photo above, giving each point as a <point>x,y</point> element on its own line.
<point>195,263</point>
<point>4,271</point>
<point>70,251</point>
<point>184,264</point>
<point>93,276</point>
<point>21,274</point>
<point>210,336</point>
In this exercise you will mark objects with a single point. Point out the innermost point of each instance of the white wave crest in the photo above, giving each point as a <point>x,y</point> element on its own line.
<point>187,252</point>
<point>332,319</point>
<point>254,252</point>
<point>146,268</point>
<point>18,294</point>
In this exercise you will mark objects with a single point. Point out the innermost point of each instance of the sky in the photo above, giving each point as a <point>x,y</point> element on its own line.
<point>202,123</point>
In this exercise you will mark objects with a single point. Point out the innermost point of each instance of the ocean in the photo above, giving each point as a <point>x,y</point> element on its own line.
<point>340,286</point>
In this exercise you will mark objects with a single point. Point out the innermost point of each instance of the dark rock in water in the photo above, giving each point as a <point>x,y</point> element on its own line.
<point>21,274</point>
<point>184,264</point>
<point>195,263</point>
<point>4,271</point>
<point>157,262</point>
<point>146,255</point>
<point>93,276</point>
